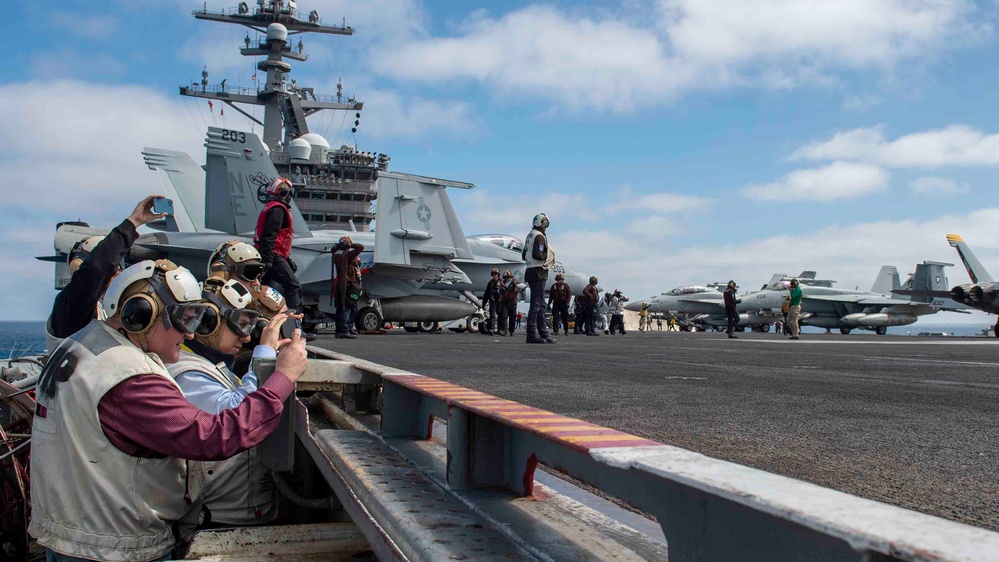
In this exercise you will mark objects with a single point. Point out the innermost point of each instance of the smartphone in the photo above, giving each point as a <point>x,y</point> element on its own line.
<point>288,328</point>
<point>163,206</point>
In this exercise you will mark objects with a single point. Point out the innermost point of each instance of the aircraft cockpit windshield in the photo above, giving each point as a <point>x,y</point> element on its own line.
<point>503,241</point>
<point>688,290</point>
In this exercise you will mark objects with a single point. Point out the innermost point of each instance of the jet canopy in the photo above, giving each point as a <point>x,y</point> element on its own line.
<point>688,290</point>
<point>503,241</point>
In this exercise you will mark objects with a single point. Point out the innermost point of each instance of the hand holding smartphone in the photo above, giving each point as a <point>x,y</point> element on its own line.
<point>163,205</point>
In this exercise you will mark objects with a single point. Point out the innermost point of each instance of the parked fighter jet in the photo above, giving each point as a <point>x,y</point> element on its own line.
<point>410,264</point>
<point>704,305</point>
<point>828,307</point>
<point>980,294</point>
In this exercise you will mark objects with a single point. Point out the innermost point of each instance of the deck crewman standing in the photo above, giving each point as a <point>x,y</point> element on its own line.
<point>539,258</point>
<point>275,231</point>
<point>794,294</point>
<point>733,315</point>
<point>559,296</point>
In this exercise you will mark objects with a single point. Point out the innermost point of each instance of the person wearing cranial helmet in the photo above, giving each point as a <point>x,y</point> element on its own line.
<point>114,435</point>
<point>539,258</point>
<point>273,237</point>
<point>239,490</point>
<point>237,260</point>
<point>93,263</point>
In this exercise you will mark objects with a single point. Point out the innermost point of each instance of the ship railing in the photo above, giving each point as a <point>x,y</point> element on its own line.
<point>709,509</point>
<point>219,89</point>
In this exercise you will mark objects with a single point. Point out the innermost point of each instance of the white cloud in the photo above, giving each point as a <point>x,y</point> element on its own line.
<point>938,187</point>
<point>839,180</point>
<point>411,117</point>
<point>955,145</point>
<point>618,61</point>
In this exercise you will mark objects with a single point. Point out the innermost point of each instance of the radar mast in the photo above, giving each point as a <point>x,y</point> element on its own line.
<point>334,187</point>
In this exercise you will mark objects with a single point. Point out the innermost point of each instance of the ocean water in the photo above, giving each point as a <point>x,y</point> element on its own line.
<point>21,338</point>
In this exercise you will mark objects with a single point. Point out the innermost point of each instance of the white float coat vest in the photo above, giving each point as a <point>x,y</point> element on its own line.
<point>529,260</point>
<point>89,499</point>
<point>238,490</point>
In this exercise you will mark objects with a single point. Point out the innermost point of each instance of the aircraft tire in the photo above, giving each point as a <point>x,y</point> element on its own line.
<point>844,331</point>
<point>474,323</point>
<point>880,330</point>
<point>995,329</point>
<point>427,327</point>
<point>368,320</point>
<point>765,328</point>
<point>411,329</point>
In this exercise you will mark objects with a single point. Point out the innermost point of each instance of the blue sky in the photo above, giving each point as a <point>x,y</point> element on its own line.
<point>671,142</point>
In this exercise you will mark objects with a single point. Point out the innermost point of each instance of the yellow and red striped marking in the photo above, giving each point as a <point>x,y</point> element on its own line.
<point>572,432</point>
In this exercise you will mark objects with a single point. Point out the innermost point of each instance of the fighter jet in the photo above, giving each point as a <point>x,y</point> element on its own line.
<point>704,305</point>
<point>877,309</point>
<point>980,294</point>
<point>410,265</point>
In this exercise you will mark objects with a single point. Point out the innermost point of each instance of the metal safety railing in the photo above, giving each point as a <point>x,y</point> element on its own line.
<point>709,509</point>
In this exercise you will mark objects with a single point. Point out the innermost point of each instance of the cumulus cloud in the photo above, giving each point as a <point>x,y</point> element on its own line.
<point>839,180</point>
<point>939,188</point>
<point>613,60</point>
<point>955,145</point>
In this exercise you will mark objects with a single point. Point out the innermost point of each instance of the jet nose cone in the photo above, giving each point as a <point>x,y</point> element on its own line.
<point>633,306</point>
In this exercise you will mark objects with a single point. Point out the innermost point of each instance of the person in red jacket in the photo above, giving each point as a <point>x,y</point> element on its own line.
<point>275,231</point>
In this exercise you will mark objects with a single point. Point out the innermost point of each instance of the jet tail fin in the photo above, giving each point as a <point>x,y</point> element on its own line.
<point>886,281</point>
<point>184,182</point>
<point>928,280</point>
<point>415,215</point>
<point>975,268</point>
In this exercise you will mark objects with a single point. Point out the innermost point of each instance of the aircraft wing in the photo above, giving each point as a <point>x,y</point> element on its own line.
<point>704,301</point>
<point>855,299</point>
<point>922,293</point>
<point>175,251</point>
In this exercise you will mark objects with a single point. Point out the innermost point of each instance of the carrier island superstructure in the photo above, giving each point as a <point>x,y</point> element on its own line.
<point>334,187</point>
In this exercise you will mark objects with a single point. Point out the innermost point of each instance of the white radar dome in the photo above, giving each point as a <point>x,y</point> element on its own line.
<point>299,149</point>
<point>277,32</point>
<point>315,140</point>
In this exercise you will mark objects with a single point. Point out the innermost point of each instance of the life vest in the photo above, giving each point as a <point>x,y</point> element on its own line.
<point>238,490</point>
<point>528,253</point>
<point>282,245</point>
<point>88,498</point>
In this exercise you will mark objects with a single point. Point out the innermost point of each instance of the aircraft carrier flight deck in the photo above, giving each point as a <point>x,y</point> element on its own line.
<point>908,421</point>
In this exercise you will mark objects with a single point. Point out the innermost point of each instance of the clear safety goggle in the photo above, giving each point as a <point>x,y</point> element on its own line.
<point>185,317</point>
<point>240,321</point>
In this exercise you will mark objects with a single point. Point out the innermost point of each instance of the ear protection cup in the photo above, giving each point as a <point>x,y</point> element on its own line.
<point>139,313</point>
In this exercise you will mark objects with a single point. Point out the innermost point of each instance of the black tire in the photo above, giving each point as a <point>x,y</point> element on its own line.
<point>411,329</point>
<point>368,320</point>
<point>474,323</point>
<point>427,327</point>
<point>765,328</point>
<point>995,330</point>
<point>844,331</point>
<point>880,330</point>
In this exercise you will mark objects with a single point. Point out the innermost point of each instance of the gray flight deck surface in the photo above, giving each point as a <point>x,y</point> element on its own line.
<point>913,422</point>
